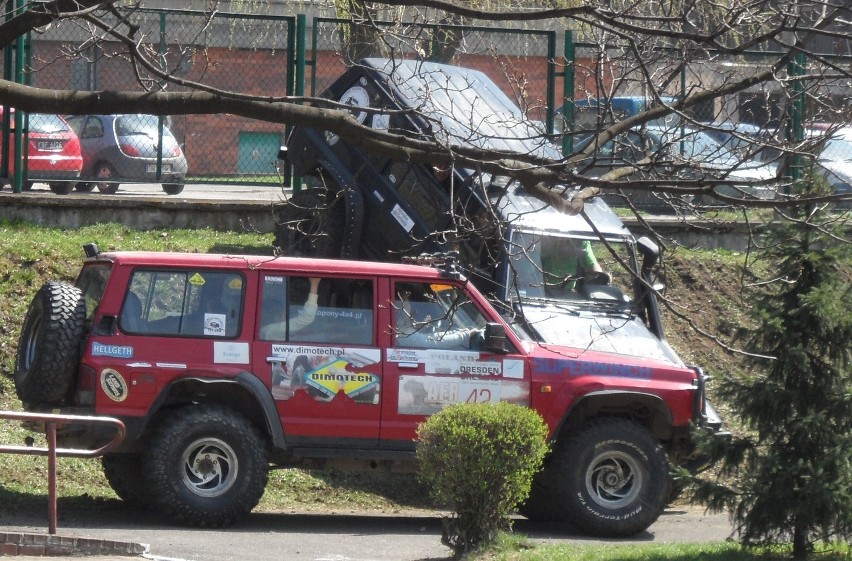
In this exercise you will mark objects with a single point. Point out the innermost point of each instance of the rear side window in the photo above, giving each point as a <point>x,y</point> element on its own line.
<point>91,282</point>
<point>187,302</point>
<point>317,310</point>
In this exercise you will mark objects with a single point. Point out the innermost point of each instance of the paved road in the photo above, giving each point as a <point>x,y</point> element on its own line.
<point>212,192</point>
<point>331,537</point>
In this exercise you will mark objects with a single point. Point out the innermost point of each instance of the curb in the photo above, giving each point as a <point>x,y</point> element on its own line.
<point>46,545</point>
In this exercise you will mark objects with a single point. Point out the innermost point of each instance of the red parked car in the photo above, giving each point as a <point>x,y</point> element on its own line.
<point>53,152</point>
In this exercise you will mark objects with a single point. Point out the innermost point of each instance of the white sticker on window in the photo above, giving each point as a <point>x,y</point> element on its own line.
<point>214,324</point>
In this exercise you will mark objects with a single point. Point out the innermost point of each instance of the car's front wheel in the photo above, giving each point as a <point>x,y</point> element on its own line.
<point>612,478</point>
<point>207,466</point>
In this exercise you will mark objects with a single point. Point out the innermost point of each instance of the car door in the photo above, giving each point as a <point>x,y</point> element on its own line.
<point>315,348</point>
<point>436,358</point>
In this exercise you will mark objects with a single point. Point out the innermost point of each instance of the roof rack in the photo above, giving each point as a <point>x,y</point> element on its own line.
<point>447,262</point>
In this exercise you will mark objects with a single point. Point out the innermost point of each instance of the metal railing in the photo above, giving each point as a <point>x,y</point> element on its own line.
<point>51,423</point>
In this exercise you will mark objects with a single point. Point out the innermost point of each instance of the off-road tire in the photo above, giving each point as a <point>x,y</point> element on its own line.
<point>49,346</point>
<point>124,474</point>
<point>540,505</point>
<point>173,188</point>
<point>311,224</point>
<point>613,478</point>
<point>230,461</point>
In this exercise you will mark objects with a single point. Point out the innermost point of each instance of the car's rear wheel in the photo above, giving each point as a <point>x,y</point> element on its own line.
<point>61,188</point>
<point>172,188</point>
<point>206,466</point>
<point>105,174</point>
<point>84,187</point>
<point>123,472</point>
<point>49,346</point>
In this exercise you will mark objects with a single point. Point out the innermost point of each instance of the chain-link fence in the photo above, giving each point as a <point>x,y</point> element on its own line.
<point>258,55</point>
<point>232,53</point>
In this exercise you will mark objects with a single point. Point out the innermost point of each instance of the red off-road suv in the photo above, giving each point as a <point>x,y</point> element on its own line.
<point>223,366</point>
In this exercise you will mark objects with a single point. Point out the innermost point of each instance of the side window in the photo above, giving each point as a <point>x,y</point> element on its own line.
<point>436,316</point>
<point>192,303</point>
<point>317,310</point>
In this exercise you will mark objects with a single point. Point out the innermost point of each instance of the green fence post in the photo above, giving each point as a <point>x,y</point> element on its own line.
<point>568,93</point>
<point>551,80</point>
<point>20,145</point>
<point>301,48</point>
<point>795,129</point>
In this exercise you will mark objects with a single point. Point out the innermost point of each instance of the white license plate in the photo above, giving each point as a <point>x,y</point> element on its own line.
<point>50,145</point>
<point>152,168</point>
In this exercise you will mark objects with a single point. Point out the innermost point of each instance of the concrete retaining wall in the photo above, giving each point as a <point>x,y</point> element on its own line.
<point>144,212</point>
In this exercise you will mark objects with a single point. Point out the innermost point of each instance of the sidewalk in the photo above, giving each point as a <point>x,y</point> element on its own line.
<point>32,546</point>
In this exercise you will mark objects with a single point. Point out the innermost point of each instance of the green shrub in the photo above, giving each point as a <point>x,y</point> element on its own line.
<point>479,460</point>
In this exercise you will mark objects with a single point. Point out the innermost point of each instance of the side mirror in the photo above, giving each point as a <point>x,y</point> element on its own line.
<point>495,338</point>
<point>650,253</point>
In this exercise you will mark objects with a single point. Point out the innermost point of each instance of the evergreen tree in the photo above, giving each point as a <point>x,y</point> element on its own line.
<point>792,471</point>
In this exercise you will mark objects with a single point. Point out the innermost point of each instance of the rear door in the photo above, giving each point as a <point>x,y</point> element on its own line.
<point>315,347</point>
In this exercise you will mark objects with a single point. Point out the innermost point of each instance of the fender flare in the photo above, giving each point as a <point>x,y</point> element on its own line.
<point>251,383</point>
<point>617,397</point>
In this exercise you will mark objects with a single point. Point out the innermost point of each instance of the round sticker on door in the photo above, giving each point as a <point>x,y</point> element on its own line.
<point>113,385</point>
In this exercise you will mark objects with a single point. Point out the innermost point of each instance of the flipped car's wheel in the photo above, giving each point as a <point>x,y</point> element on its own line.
<point>84,187</point>
<point>61,188</point>
<point>49,346</point>
<point>612,479</point>
<point>172,188</point>
<point>123,472</point>
<point>207,466</point>
<point>105,173</point>
<point>311,225</point>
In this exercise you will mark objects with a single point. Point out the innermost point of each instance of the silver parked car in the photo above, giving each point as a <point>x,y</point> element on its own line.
<point>120,148</point>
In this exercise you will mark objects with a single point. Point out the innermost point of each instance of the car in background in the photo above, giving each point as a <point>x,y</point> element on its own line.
<point>747,140</point>
<point>678,153</point>
<point>120,148</point>
<point>53,151</point>
<point>590,114</point>
<point>834,161</point>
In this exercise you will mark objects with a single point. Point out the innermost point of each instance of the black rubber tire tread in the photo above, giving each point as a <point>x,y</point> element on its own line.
<point>49,346</point>
<point>84,186</point>
<point>163,466</point>
<point>173,188</point>
<point>574,458</point>
<point>311,224</point>
<point>540,506</point>
<point>124,472</point>
<point>61,188</point>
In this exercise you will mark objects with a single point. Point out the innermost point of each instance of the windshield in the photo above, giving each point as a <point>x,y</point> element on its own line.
<point>564,268</point>
<point>837,150</point>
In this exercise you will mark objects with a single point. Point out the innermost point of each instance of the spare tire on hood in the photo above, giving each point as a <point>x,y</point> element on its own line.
<point>49,347</point>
